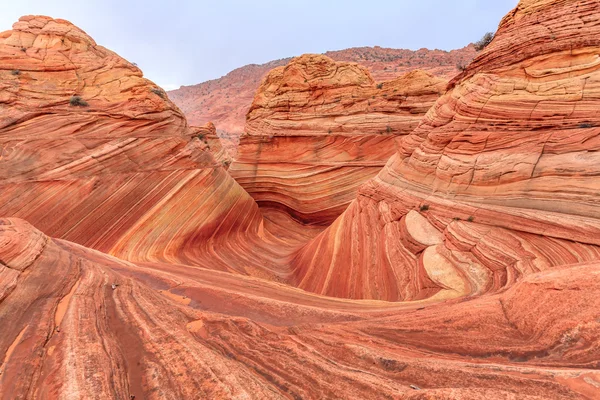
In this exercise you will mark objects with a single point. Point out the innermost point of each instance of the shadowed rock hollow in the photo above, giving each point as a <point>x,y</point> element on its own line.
<point>131,264</point>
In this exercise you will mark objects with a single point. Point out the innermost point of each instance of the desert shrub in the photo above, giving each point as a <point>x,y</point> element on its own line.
<point>15,72</point>
<point>484,41</point>
<point>471,218</point>
<point>202,137</point>
<point>380,86</point>
<point>388,129</point>
<point>586,125</point>
<point>424,207</point>
<point>158,92</point>
<point>461,67</point>
<point>77,101</point>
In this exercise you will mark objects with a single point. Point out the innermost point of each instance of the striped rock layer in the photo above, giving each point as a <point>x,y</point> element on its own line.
<point>464,270</point>
<point>500,179</point>
<point>77,323</point>
<point>117,170</point>
<point>317,129</point>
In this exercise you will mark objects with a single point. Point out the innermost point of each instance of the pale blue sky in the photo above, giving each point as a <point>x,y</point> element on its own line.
<point>183,42</point>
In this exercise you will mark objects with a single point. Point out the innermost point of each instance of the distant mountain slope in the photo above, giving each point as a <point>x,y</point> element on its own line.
<point>225,101</point>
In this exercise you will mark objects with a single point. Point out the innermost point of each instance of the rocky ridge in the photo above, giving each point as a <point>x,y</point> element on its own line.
<point>225,101</point>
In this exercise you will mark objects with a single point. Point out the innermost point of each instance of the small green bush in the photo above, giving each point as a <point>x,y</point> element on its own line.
<point>484,41</point>
<point>158,92</point>
<point>471,218</point>
<point>380,86</point>
<point>77,101</point>
<point>461,67</point>
<point>15,72</point>
<point>388,129</point>
<point>424,207</point>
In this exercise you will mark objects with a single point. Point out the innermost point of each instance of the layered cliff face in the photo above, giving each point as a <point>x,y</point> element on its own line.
<point>317,129</point>
<point>225,101</point>
<point>500,180</point>
<point>94,153</point>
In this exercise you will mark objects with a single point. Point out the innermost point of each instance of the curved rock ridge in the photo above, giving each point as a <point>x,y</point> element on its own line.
<point>499,180</point>
<point>46,61</point>
<point>317,129</point>
<point>115,169</point>
<point>78,323</point>
<point>225,101</point>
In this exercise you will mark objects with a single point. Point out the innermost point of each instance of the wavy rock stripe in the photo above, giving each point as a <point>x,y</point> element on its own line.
<point>311,179</point>
<point>317,129</point>
<point>117,169</point>
<point>506,160</point>
<point>205,337</point>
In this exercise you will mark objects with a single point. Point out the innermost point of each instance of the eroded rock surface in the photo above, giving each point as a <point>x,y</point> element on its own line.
<point>112,167</point>
<point>225,101</point>
<point>469,268</point>
<point>317,129</point>
<point>503,165</point>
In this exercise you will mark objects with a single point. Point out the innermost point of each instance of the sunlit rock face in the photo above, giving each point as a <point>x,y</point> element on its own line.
<point>458,272</point>
<point>317,129</point>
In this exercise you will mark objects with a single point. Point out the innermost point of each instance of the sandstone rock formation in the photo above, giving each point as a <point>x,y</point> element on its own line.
<point>317,129</point>
<point>225,101</point>
<point>499,180</point>
<point>222,149</point>
<point>101,169</point>
<point>137,268</point>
